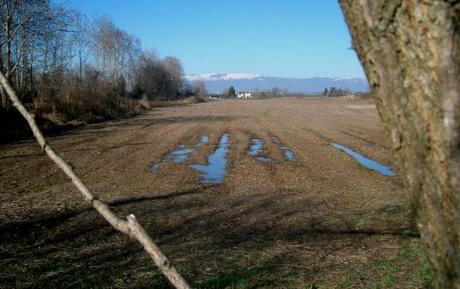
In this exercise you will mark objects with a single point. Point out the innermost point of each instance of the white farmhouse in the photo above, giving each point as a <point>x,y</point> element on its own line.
<point>245,95</point>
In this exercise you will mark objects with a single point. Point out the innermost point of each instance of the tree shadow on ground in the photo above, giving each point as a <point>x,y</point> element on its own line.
<point>216,240</point>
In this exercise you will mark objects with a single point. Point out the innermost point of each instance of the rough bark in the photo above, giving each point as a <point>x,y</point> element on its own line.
<point>130,226</point>
<point>410,51</point>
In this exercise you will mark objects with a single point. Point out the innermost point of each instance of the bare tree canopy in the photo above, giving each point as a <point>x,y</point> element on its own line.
<point>410,51</point>
<point>200,88</point>
<point>71,68</point>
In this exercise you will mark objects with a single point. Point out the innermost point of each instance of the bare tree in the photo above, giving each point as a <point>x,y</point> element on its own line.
<point>175,73</point>
<point>20,27</point>
<point>45,50</point>
<point>276,92</point>
<point>199,88</point>
<point>410,51</point>
<point>148,76</point>
<point>115,52</point>
<point>80,38</point>
<point>159,79</point>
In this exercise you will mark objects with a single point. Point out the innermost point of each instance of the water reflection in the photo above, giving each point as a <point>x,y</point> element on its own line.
<point>290,155</point>
<point>256,148</point>
<point>368,163</point>
<point>179,155</point>
<point>216,169</point>
<point>203,140</point>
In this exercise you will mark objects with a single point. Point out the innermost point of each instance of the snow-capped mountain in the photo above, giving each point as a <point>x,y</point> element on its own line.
<point>216,83</point>
<point>221,76</point>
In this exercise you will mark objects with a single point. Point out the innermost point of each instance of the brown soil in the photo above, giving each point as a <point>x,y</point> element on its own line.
<point>320,221</point>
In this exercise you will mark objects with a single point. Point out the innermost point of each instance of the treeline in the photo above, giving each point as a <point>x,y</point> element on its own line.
<point>274,92</point>
<point>256,94</point>
<point>67,67</point>
<point>334,92</point>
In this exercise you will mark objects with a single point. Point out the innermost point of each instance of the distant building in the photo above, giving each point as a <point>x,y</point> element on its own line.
<point>349,95</point>
<point>245,95</point>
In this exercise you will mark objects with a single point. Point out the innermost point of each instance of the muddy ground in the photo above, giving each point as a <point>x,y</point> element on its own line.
<point>319,221</point>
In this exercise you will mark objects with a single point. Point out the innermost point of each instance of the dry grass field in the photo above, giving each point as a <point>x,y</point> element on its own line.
<point>320,220</point>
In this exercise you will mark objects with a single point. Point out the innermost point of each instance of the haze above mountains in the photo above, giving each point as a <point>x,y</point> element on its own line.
<point>216,83</point>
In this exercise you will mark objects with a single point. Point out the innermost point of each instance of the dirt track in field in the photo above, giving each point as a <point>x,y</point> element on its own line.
<point>320,220</point>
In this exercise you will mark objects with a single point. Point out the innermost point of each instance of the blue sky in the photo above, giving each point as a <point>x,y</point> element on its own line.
<point>288,38</point>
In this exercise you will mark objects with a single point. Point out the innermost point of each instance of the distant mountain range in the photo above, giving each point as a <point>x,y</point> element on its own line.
<point>216,83</point>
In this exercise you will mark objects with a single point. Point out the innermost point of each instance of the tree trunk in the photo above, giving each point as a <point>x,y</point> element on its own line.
<point>8,46</point>
<point>1,57</point>
<point>410,51</point>
<point>80,64</point>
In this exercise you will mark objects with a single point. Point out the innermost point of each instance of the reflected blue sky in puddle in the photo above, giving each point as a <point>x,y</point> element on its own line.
<point>203,140</point>
<point>366,162</point>
<point>216,169</point>
<point>154,167</point>
<point>181,154</point>
<point>257,145</point>
<point>290,155</point>
<point>265,159</point>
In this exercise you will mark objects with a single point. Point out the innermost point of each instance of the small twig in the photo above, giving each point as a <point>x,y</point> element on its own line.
<point>129,227</point>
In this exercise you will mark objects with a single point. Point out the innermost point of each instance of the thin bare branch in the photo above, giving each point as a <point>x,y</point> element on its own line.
<point>23,22</point>
<point>129,227</point>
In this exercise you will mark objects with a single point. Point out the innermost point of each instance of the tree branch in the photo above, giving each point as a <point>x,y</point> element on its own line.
<point>129,227</point>
<point>23,22</point>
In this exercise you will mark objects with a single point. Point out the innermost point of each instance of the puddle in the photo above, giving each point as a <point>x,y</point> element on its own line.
<point>256,148</point>
<point>154,167</point>
<point>203,140</point>
<point>368,163</point>
<point>265,159</point>
<point>181,154</point>
<point>290,155</point>
<point>216,169</point>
